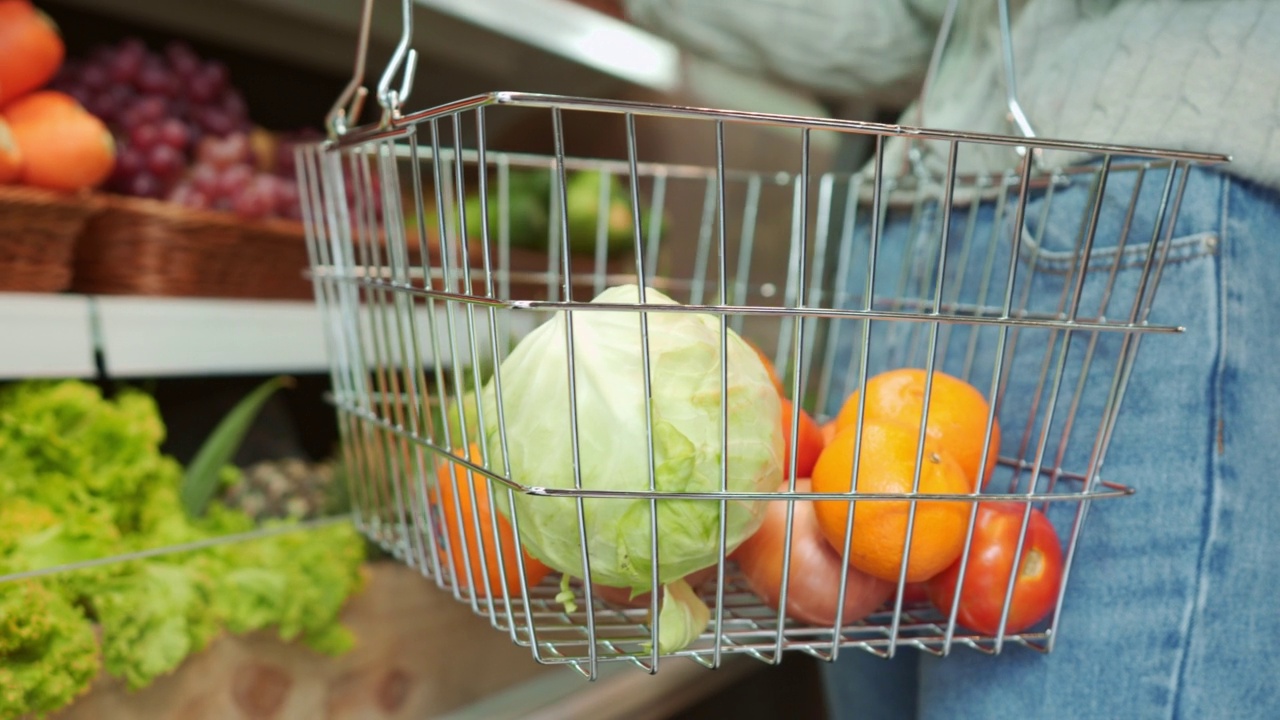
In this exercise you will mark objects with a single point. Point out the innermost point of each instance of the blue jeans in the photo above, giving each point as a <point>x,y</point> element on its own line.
<point>1171,606</point>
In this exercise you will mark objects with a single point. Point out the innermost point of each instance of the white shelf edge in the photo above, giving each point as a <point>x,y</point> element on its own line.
<point>59,335</point>
<point>582,35</point>
<point>46,336</point>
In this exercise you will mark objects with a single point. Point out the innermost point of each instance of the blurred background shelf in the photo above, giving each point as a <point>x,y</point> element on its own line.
<point>46,336</point>
<point>143,337</point>
<point>465,47</point>
<point>553,44</point>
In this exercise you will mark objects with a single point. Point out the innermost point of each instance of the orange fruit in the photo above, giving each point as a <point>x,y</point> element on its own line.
<point>808,448</point>
<point>887,465</point>
<point>957,414</point>
<point>63,146</point>
<point>31,50</point>
<point>10,155</point>
<point>467,563</point>
<point>39,105</point>
<point>828,432</point>
<point>768,365</point>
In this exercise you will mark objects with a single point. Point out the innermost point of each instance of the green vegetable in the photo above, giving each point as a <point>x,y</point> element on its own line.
<point>453,413</point>
<point>296,582</point>
<point>528,207</point>
<point>682,618</point>
<point>204,472</point>
<point>61,445</point>
<point>152,618</point>
<point>685,370</point>
<point>48,654</point>
<point>582,205</point>
<point>83,478</point>
<point>530,204</point>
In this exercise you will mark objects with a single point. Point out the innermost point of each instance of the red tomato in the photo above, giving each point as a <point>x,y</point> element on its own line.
<point>813,585</point>
<point>914,593</point>
<point>995,540</point>
<point>810,445</point>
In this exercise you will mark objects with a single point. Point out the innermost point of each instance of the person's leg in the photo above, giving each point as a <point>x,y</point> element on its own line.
<point>1169,608</point>
<point>862,686</point>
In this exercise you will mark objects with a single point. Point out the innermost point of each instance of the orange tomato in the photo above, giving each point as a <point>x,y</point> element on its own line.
<point>31,50</point>
<point>63,146</point>
<point>957,414</point>
<point>768,365</point>
<point>809,446</point>
<point>468,564</point>
<point>887,465</point>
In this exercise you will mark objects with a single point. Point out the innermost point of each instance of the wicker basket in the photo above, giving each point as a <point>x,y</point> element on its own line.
<point>38,231</point>
<point>146,247</point>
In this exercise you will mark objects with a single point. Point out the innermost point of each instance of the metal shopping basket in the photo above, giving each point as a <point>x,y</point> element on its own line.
<point>427,279</point>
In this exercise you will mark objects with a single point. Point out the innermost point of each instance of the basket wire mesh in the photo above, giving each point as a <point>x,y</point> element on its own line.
<point>422,304</point>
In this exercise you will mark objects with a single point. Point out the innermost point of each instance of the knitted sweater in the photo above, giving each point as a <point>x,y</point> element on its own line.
<point>1177,74</point>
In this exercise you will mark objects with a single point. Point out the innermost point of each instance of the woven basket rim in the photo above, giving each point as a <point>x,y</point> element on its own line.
<point>162,209</point>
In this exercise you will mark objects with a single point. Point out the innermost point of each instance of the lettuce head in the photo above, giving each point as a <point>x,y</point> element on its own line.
<point>613,450</point>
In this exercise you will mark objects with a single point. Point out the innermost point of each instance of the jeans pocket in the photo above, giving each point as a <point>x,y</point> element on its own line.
<point>1055,384</point>
<point>1120,221</point>
<point>1059,387</point>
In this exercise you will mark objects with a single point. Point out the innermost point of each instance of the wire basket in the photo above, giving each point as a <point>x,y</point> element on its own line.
<point>838,276</point>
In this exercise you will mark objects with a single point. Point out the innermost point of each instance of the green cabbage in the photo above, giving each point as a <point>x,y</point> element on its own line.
<point>686,394</point>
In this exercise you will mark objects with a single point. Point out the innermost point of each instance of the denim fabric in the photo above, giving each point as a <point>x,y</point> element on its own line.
<point>1171,609</point>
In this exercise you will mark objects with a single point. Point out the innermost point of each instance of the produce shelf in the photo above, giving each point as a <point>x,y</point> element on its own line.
<point>46,336</point>
<point>59,336</point>
<point>515,41</point>
<point>467,47</point>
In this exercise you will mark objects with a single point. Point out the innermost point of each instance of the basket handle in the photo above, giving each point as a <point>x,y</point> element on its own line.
<point>1010,76</point>
<point>403,60</point>
<point>1016,114</point>
<point>346,109</point>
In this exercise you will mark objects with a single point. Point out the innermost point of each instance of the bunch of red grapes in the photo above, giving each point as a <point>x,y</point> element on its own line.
<point>159,106</point>
<point>183,132</point>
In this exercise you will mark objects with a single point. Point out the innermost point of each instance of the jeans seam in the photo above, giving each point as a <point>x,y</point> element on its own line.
<point>1212,474</point>
<point>1181,249</point>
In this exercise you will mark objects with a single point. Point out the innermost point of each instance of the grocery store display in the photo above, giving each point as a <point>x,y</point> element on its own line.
<point>47,138</point>
<point>84,479</point>
<point>290,488</point>
<point>158,105</point>
<point>183,129</point>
